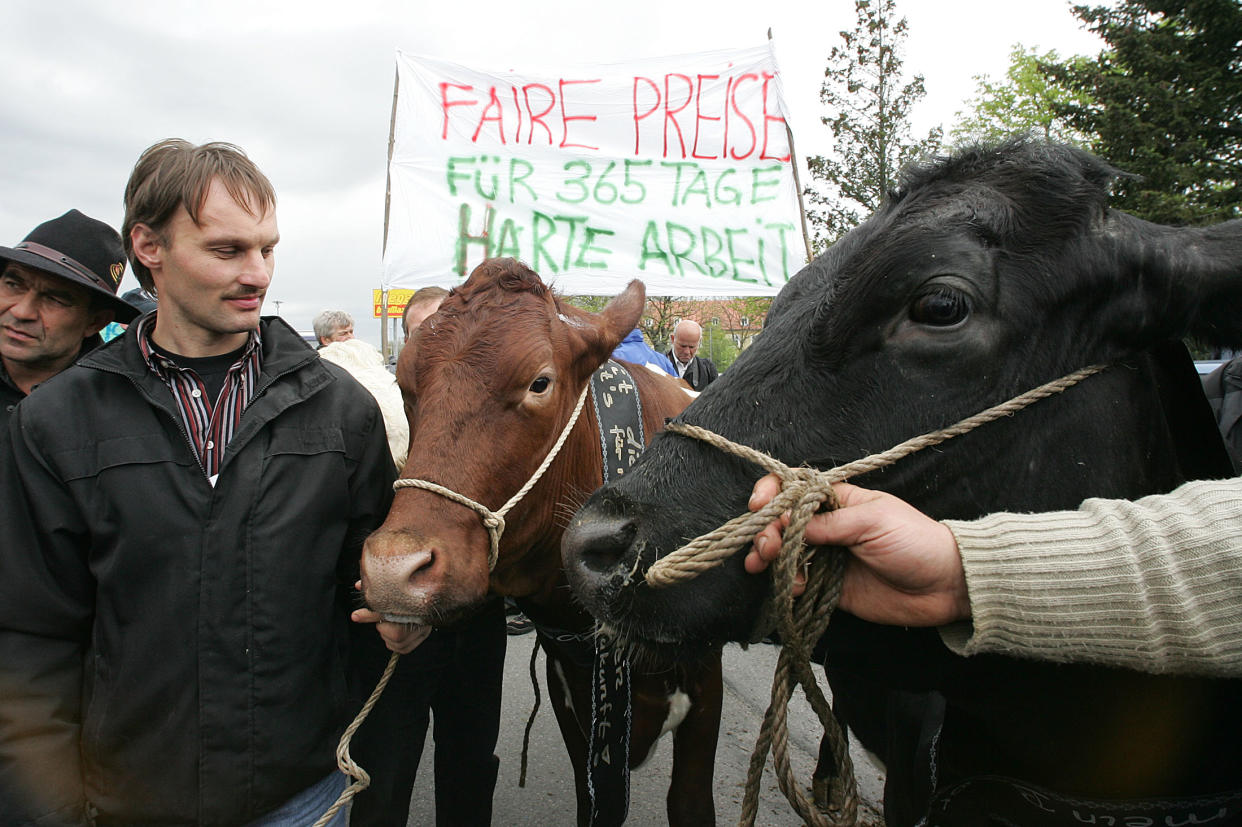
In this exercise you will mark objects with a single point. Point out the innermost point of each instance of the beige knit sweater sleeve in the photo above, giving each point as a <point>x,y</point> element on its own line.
<point>1153,585</point>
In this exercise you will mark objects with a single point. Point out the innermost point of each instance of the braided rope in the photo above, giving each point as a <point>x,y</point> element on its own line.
<point>804,491</point>
<point>343,759</point>
<point>494,521</point>
<point>711,549</point>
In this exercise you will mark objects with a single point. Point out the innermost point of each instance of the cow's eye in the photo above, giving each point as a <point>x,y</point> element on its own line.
<point>941,307</point>
<point>540,385</point>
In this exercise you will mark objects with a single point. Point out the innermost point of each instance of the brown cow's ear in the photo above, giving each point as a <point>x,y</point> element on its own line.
<point>603,331</point>
<point>621,315</point>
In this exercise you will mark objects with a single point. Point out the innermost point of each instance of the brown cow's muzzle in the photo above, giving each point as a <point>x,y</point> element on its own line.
<point>415,578</point>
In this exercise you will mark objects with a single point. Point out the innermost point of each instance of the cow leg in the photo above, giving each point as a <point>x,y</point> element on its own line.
<point>690,799</point>
<point>563,677</point>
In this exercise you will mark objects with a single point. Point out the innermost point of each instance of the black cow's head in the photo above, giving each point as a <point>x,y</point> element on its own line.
<point>986,274</point>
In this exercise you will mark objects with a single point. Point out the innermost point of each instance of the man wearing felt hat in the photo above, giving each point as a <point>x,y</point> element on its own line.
<point>57,290</point>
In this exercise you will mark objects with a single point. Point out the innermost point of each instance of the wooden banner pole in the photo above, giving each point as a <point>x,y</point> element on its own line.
<point>392,126</point>
<point>793,161</point>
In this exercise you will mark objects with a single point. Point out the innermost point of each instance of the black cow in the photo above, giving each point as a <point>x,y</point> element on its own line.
<point>986,274</point>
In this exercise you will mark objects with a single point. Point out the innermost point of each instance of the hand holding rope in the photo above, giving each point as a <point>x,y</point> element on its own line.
<point>804,491</point>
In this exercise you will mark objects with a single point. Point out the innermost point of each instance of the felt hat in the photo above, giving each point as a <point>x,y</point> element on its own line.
<point>140,299</point>
<point>79,249</point>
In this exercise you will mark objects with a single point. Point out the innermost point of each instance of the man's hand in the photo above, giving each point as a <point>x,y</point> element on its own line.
<point>401,638</point>
<point>905,568</point>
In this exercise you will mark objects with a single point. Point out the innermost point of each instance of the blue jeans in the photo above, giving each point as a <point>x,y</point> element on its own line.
<point>305,808</point>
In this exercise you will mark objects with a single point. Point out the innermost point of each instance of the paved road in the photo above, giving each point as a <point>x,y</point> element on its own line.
<point>548,798</point>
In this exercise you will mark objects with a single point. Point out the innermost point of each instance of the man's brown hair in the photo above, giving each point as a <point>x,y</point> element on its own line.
<point>422,294</point>
<point>175,173</point>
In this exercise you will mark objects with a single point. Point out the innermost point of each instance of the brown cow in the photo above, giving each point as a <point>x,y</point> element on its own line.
<point>490,381</point>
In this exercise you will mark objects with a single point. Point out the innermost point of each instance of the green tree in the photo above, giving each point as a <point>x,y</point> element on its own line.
<point>744,318</point>
<point>1164,102</point>
<point>659,317</point>
<point>1026,102</point>
<point>592,304</point>
<point>870,126</point>
<point>718,346</point>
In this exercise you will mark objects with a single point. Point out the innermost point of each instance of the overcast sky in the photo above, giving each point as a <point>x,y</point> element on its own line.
<point>305,87</point>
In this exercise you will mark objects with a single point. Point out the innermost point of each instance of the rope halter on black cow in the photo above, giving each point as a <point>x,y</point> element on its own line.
<point>804,491</point>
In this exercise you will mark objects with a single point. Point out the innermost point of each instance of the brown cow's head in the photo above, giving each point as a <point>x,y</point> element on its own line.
<point>489,381</point>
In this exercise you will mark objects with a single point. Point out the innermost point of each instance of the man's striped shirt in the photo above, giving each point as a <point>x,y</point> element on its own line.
<point>209,426</point>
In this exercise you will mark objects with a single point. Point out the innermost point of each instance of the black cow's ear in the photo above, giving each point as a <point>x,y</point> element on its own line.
<point>1190,277</point>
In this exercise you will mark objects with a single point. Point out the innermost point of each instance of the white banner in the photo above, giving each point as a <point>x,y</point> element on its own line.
<point>675,171</point>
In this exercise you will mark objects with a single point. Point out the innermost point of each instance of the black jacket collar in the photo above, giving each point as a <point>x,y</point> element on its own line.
<point>283,350</point>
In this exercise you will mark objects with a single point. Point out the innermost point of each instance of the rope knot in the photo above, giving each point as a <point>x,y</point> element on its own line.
<point>802,485</point>
<point>804,491</point>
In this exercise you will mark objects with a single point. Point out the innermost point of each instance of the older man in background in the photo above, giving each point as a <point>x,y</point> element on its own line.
<point>333,326</point>
<point>57,291</point>
<point>698,371</point>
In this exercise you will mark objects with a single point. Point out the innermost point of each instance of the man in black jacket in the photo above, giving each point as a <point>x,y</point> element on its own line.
<point>57,291</point>
<point>183,510</point>
<point>698,371</point>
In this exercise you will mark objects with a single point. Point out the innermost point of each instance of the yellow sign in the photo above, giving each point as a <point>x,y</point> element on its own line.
<point>397,300</point>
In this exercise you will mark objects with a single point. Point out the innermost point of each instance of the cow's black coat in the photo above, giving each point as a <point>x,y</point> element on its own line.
<point>987,274</point>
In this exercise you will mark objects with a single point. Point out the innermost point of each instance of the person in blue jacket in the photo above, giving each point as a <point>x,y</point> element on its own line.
<point>634,349</point>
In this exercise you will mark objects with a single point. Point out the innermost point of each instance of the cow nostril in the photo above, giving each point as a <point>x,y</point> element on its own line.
<point>419,563</point>
<point>602,545</point>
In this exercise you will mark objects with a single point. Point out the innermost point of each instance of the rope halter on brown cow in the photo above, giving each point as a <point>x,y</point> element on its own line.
<point>494,521</point>
<point>804,491</point>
